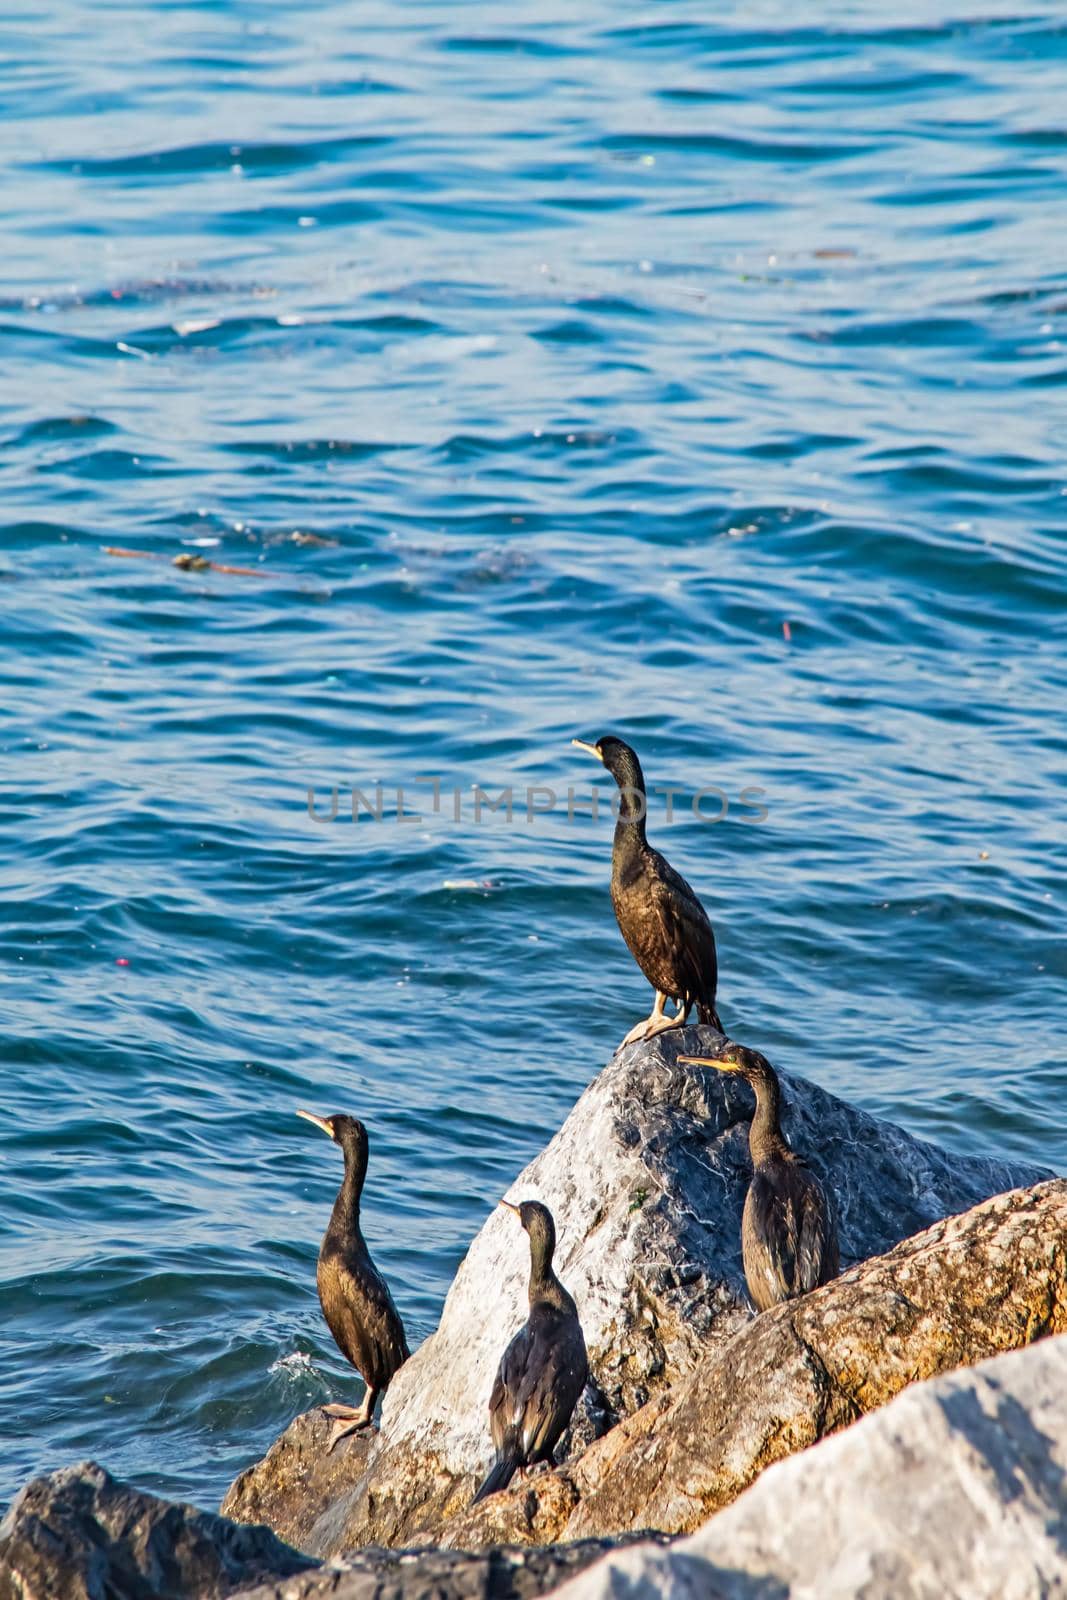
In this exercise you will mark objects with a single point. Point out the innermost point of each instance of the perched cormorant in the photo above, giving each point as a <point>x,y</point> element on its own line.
<point>355,1298</point>
<point>543,1370</point>
<point>661,919</point>
<point>788,1232</point>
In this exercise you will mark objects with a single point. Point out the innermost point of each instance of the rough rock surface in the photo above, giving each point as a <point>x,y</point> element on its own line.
<point>958,1487</point>
<point>499,1574</point>
<point>991,1280</point>
<point>296,1483</point>
<point>81,1535</point>
<point>646,1180</point>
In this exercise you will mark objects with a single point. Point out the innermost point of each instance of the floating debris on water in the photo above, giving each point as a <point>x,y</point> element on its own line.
<point>188,561</point>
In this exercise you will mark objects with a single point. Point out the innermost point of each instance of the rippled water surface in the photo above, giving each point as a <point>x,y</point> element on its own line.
<point>541,370</point>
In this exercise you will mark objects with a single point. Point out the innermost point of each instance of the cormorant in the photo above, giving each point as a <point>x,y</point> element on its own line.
<point>788,1231</point>
<point>355,1298</point>
<point>661,919</point>
<point>543,1370</point>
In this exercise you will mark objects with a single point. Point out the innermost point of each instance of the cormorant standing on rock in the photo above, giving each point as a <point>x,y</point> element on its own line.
<point>543,1370</point>
<point>788,1233</point>
<point>661,919</point>
<point>355,1298</point>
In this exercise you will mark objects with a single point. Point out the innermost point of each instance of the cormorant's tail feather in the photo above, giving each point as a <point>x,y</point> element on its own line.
<point>709,1015</point>
<point>501,1472</point>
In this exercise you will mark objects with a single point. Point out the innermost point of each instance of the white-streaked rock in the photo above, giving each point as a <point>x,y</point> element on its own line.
<point>957,1488</point>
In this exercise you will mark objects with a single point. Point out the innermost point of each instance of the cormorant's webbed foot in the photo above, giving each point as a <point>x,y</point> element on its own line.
<point>641,1030</point>
<point>661,1023</point>
<point>658,1021</point>
<point>349,1419</point>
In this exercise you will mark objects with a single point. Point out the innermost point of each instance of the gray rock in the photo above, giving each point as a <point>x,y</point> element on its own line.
<point>957,1488</point>
<point>81,1535</point>
<point>646,1180</point>
<point>503,1573</point>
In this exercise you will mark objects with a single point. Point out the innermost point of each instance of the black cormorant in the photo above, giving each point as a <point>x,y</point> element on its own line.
<point>788,1232</point>
<point>543,1370</point>
<point>355,1298</point>
<point>661,919</point>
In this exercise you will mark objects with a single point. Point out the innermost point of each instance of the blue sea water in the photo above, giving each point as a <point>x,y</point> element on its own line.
<point>691,372</point>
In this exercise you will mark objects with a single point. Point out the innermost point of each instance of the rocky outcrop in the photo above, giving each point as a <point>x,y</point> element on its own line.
<point>958,1487</point>
<point>81,1535</point>
<point>646,1180</point>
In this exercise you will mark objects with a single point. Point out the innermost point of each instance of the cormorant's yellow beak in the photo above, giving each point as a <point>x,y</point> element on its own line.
<point>511,1207</point>
<point>320,1122</point>
<point>592,749</point>
<point>718,1062</point>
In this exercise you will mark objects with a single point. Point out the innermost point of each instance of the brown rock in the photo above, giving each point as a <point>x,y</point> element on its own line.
<point>531,1512</point>
<point>972,1286</point>
<point>297,1481</point>
<point>958,1487</point>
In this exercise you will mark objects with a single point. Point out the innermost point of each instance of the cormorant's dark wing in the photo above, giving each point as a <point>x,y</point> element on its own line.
<point>686,931</point>
<point>361,1315</point>
<point>506,1388</point>
<point>789,1237</point>
<point>563,1369</point>
<point>542,1374</point>
<point>818,1255</point>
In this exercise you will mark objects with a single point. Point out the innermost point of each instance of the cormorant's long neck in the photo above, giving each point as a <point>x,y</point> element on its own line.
<point>765,1136</point>
<point>346,1206</point>
<point>629,836</point>
<point>633,808</point>
<point>544,1285</point>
